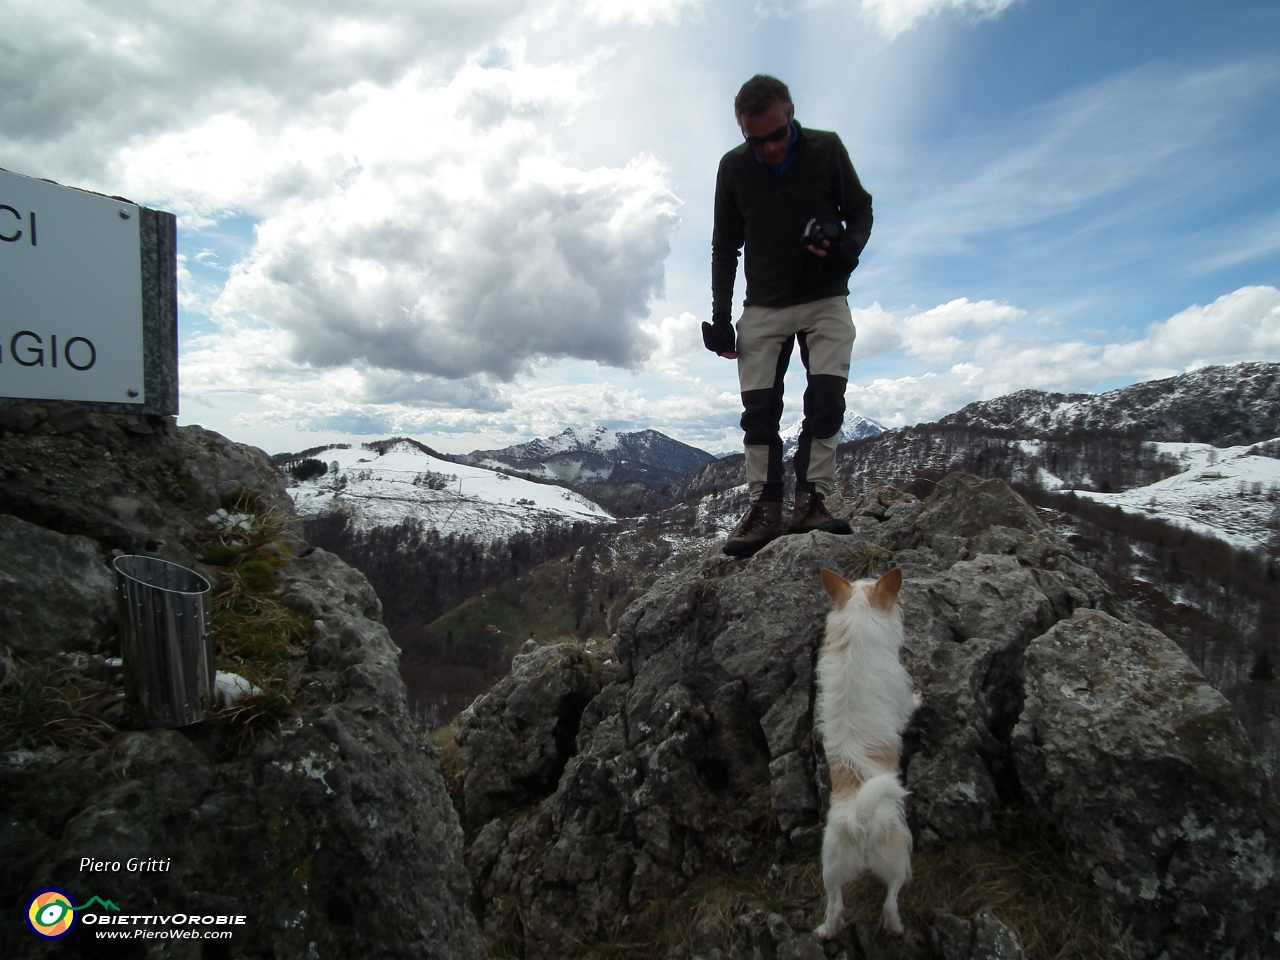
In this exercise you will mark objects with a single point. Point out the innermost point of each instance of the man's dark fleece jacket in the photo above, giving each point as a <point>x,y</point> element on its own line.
<point>767,211</point>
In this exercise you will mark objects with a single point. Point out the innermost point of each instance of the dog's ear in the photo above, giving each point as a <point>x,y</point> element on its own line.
<point>838,588</point>
<point>885,593</point>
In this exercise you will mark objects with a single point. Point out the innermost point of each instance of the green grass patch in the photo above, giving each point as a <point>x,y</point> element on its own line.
<point>247,631</point>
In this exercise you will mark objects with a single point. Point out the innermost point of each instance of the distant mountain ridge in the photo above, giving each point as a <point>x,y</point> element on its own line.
<point>597,456</point>
<point>855,427</point>
<point>1226,406</point>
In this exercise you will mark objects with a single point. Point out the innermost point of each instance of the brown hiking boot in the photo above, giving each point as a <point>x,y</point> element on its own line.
<point>810,513</point>
<point>761,524</point>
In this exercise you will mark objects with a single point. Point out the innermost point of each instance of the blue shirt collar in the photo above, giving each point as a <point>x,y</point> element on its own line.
<point>781,168</point>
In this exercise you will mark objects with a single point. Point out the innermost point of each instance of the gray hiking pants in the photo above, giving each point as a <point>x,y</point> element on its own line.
<point>766,336</point>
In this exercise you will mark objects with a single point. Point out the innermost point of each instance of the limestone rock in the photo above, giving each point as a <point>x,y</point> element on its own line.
<point>56,592</point>
<point>1147,771</point>
<point>700,756</point>
<point>136,484</point>
<point>982,938</point>
<point>334,835</point>
<point>516,740</point>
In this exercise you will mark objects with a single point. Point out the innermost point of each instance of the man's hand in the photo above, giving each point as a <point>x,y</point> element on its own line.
<point>842,255</point>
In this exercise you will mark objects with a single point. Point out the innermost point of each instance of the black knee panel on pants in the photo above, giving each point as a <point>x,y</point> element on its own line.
<point>761,411</point>
<point>824,405</point>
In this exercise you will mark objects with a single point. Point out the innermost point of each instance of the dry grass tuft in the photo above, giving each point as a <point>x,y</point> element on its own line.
<point>1022,875</point>
<point>45,706</point>
<point>256,635</point>
<point>864,562</point>
<point>451,765</point>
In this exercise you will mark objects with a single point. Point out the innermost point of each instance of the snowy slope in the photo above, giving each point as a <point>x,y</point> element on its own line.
<point>406,483</point>
<point>1231,493</point>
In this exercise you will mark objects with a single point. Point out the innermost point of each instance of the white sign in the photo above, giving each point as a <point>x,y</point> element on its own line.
<point>70,294</point>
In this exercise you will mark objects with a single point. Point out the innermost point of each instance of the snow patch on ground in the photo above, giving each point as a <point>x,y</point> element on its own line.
<point>407,484</point>
<point>1227,493</point>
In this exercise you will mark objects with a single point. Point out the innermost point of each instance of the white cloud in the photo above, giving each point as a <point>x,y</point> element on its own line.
<point>84,77</point>
<point>1243,325</point>
<point>675,342</point>
<point>894,17</point>
<point>932,335</point>
<point>435,228</point>
<point>643,13</point>
<point>246,377</point>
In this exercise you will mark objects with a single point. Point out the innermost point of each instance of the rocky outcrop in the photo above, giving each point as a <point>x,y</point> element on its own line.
<point>700,756</point>
<point>56,592</point>
<point>136,484</point>
<point>516,740</point>
<point>330,830</point>
<point>1146,770</point>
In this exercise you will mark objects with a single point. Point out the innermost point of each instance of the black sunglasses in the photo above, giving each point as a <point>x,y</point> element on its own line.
<point>782,131</point>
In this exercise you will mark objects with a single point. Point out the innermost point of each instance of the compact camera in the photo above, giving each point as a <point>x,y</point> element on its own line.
<point>815,231</point>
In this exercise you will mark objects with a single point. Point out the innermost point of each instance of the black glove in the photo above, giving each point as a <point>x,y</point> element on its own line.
<point>843,254</point>
<point>720,337</point>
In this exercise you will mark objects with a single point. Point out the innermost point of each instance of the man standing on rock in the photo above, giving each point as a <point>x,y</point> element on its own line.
<point>792,198</point>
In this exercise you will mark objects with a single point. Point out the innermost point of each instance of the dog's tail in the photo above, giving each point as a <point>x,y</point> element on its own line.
<point>874,811</point>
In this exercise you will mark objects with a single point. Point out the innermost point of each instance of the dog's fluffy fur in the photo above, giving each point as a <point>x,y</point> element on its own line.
<point>864,703</point>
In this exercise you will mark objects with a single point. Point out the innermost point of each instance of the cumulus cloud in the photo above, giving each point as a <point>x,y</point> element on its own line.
<point>248,370</point>
<point>1242,325</point>
<point>675,341</point>
<point>894,17</point>
<point>933,336</point>
<point>243,380</point>
<point>436,229</point>
<point>84,77</point>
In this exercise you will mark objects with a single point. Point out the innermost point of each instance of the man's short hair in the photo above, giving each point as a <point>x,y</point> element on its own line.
<point>759,94</point>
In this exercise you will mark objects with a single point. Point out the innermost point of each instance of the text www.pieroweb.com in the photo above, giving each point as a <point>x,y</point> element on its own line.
<point>142,933</point>
<point>160,927</point>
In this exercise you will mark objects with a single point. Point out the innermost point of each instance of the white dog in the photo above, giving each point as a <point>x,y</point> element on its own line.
<point>864,703</point>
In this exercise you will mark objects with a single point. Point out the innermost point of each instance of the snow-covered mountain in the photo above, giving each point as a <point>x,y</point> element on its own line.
<point>1232,494</point>
<point>1224,406</point>
<point>855,427</point>
<point>402,481</point>
<point>596,456</point>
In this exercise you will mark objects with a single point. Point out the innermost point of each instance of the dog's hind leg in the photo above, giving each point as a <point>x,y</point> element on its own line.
<point>835,905</point>
<point>837,870</point>
<point>893,865</point>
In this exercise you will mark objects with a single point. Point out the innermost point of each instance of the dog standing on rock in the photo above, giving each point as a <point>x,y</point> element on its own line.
<point>864,703</point>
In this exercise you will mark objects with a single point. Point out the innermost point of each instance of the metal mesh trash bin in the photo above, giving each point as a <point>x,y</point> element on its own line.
<point>165,640</point>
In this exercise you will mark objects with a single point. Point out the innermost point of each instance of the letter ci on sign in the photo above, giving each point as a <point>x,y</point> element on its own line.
<point>89,310</point>
<point>17,233</point>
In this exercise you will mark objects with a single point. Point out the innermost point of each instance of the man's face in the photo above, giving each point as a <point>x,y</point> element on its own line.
<point>777,117</point>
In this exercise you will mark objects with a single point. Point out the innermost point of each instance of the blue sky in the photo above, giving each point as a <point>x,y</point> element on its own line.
<point>479,222</point>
